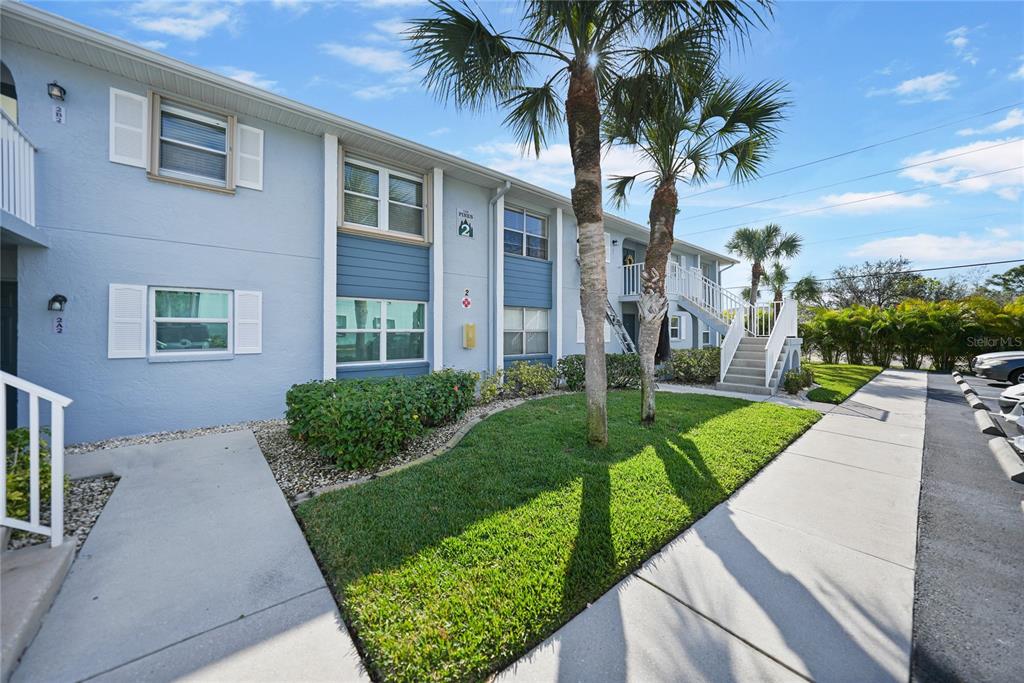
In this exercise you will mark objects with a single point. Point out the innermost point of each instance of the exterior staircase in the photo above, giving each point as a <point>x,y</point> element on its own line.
<point>746,372</point>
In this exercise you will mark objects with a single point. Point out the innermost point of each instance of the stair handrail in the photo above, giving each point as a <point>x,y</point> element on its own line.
<point>784,326</point>
<point>58,403</point>
<point>731,342</point>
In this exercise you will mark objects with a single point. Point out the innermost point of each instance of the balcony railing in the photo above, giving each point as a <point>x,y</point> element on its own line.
<point>17,172</point>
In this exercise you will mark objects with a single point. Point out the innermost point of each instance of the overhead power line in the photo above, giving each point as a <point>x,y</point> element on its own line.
<point>873,145</point>
<point>853,180</point>
<point>872,198</point>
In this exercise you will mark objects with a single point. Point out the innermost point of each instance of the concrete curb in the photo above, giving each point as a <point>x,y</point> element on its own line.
<point>986,424</point>
<point>1008,459</point>
<point>977,403</point>
<point>440,450</point>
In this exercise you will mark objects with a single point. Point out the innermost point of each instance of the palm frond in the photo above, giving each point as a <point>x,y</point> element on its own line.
<point>465,59</point>
<point>533,113</point>
<point>619,186</point>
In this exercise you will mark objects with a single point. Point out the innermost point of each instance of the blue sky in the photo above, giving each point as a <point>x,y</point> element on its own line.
<point>858,74</point>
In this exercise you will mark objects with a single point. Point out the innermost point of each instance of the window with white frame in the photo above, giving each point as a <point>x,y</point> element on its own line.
<point>379,198</point>
<point>190,321</point>
<point>526,234</point>
<point>675,327</point>
<point>193,145</point>
<point>526,331</point>
<point>379,331</point>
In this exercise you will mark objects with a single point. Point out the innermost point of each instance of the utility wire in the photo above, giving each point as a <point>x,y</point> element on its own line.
<point>853,180</point>
<point>856,201</point>
<point>902,272</point>
<point>865,147</point>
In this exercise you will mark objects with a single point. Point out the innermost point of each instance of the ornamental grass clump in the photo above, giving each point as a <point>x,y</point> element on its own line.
<point>364,422</point>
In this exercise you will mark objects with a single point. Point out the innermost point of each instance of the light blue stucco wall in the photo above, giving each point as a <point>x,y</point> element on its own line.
<point>109,224</point>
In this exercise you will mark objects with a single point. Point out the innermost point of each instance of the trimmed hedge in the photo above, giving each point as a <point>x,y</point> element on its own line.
<point>363,422</point>
<point>623,370</point>
<point>696,366</point>
<point>521,378</point>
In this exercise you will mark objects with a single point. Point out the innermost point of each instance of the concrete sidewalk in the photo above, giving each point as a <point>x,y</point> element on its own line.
<point>807,572</point>
<point>197,570</point>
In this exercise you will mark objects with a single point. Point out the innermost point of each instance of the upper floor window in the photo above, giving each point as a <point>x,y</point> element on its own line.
<point>193,145</point>
<point>383,199</point>
<point>526,234</point>
<point>8,93</point>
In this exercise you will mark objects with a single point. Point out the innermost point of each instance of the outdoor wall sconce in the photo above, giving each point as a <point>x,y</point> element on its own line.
<point>57,303</point>
<point>55,91</point>
<point>615,243</point>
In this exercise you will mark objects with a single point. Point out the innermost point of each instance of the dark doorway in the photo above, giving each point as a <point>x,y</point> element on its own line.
<point>9,344</point>
<point>629,322</point>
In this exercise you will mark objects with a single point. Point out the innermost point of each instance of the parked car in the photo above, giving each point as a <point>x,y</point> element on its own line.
<point>1009,399</point>
<point>1003,366</point>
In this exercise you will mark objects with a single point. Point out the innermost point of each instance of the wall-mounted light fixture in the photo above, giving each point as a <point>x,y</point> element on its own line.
<point>57,303</point>
<point>56,91</point>
<point>615,243</point>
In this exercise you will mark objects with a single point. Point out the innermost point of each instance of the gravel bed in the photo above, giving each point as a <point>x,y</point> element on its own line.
<point>299,468</point>
<point>83,503</point>
<point>157,437</point>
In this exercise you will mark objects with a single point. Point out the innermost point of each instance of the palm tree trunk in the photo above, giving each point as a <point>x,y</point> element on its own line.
<point>653,303</point>
<point>583,114</point>
<point>755,280</point>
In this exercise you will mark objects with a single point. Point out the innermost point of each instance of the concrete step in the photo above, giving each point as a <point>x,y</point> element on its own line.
<point>760,390</point>
<point>754,373</point>
<point>747,363</point>
<point>29,582</point>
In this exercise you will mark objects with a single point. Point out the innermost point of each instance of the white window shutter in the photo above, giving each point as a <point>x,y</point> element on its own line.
<point>579,328</point>
<point>607,248</point>
<point>607,332</point>
<point>126,322</point>
<point>248,322</point>
<point>249,157</point>
<point>684,325</point>
<point>129,128</point>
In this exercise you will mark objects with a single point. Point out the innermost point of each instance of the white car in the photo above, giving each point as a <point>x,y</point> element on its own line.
<point>1009,399</point>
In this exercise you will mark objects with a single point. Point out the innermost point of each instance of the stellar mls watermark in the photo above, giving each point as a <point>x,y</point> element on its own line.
<point>996,342</point>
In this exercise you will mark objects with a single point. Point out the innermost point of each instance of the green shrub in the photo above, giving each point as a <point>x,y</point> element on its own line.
<point>622,371</point>
<point>806,375</point>
<point>361,423</point>
<point>18,473</point>
<point>793,382</point>
<point>696,366</point>
<point>521,379</point>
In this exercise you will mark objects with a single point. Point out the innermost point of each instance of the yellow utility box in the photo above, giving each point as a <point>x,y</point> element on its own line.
<point>469,336</point>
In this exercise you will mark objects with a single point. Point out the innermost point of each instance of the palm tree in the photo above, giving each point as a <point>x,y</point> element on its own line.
<point>576,49</point>
<point>808,289</point>
<point>686,130</point>
<point>777,278</point>
<point>759,245</point>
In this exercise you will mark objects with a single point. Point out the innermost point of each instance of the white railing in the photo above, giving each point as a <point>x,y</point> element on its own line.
<point>730,344</point>
<point>57,405</point>
<point>784,326</point>
<point>632,285</point>
<point>17,171</point>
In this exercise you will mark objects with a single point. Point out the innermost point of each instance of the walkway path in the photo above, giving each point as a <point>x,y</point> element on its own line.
<point>195,570</point>
<point>807,572</point>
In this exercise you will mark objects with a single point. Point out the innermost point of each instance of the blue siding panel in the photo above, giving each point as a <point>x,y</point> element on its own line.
<point>543,359</point>
<point>382,269</point>
<point>527,282</point>
<point>384,370</point>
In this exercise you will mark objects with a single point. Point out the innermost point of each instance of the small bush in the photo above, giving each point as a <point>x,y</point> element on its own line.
<point>622,370</point>
<point>806,375</point>
<point>696,366</point>
<point>18,473</point>
<point>793,381</point>
<point>518,380</point>
<point>361,423</point>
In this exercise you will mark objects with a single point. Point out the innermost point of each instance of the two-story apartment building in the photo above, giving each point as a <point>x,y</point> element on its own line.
<point>179,248</point>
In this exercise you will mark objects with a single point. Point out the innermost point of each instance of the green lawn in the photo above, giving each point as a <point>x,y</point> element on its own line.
<point>452,569</point>
<point>839,381</point>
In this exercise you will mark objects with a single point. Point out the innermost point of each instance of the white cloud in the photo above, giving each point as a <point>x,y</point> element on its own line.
<point>296,6</point>
<point>185,20</point>
<point>372,58</point>
<point>389,3</point>
<point>153,44</point>
<point>248,77</point>
<point>930,88</point>
<point>931,248</point>
<point>1013,119</point>
<point>380,92</point>
<point>975,160</point>
<point>439,131</point>
<point>554,167</point>
<point>873,202</point>
<point>962,44</point>
<point>1019,73</point>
